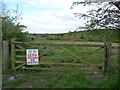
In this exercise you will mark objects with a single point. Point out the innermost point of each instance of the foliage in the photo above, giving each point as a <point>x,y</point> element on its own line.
<point>11,26</point>
<point>97,35</point>
<point>106,16</point>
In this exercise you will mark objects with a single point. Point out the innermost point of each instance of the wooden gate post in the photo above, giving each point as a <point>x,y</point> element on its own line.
<point>108,47</point>
<point>13,54</point>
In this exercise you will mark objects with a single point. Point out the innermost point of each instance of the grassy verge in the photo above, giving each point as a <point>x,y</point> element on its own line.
<point>72,78</point>
<point>58,79</point>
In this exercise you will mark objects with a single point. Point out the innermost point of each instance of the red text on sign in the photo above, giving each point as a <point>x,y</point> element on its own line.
<point>31,55</point>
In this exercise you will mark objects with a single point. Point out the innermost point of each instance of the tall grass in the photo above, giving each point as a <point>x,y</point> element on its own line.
<point>59,79</point>
<point>87,35</point>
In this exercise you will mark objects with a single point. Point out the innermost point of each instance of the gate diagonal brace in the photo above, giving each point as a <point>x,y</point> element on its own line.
<point>20,66</point>
<point>20,47</point>
<point>73,54</point>
<point>96,50</point>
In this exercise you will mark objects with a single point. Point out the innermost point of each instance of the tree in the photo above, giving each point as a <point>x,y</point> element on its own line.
<point>106,16</point>
<point>11,26</point>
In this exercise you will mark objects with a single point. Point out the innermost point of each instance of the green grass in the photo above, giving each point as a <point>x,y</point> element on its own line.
<point>70,76</point>
<point>58,79</point>
<point>111,82</point>
<point>87,35</point>
<point>67,57</point>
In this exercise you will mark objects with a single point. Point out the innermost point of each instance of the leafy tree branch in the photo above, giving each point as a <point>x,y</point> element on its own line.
<point>106,16</point>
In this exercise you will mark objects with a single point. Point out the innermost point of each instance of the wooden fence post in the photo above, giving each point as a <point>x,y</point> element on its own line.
<point>5,56</point>
<point>12,54</point>
<point>108,47</point>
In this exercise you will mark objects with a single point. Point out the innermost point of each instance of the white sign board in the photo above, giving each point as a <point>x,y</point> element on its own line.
<point>32,56</point>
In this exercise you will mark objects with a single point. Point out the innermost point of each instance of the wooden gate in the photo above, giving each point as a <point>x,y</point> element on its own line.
<point>98,52</point>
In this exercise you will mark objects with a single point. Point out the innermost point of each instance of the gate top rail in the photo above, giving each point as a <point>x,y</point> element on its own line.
<point>90,44</point>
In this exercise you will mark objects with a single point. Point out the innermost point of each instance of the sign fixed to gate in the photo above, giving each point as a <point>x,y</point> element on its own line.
<point>32,56</point>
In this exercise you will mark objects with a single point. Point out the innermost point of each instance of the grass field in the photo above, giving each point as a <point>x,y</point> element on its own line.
<point>58,79</point>
<point>69,76</point>
<point>87,35</point>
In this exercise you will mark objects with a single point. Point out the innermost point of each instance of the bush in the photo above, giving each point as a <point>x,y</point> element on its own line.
<point>11,27</point>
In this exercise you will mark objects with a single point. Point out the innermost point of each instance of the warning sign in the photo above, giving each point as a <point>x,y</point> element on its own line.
<point>32,56</point>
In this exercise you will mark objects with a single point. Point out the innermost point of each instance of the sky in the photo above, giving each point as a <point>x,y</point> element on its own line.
<point>48,16</point>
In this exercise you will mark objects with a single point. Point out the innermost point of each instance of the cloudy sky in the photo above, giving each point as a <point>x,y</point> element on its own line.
<point>48,16</point>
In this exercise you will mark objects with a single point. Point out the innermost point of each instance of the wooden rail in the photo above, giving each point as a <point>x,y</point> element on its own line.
<point>89,44</point>
<point>49,63</point>
<point>106,46</point>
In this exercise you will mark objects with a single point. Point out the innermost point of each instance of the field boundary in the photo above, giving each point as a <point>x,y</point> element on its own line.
<point>106,45</point>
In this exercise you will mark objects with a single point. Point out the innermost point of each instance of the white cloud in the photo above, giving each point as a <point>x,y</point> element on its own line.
<point>50,22</point>
<point>51,3</point>
<point>50,16</point>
